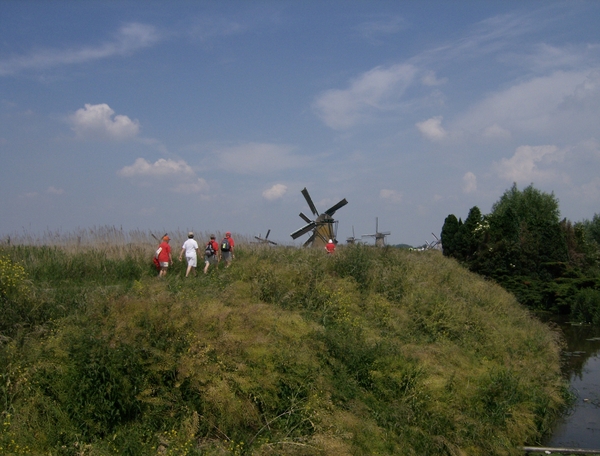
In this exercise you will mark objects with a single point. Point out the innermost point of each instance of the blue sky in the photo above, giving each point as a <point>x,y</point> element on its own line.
<point>213,116</point>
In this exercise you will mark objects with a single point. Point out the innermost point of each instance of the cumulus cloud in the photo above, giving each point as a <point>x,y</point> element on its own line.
<point>258,158</point>
<point>374,91</point>
<point>160,168</point>
<point>529,164</point>
<point>179,174</point>
<point>469,184</point>
<point>275,192</point>
<point>432,129</point>
<point>128,39</point>
<point>97,122</point>
<point>391,195</point>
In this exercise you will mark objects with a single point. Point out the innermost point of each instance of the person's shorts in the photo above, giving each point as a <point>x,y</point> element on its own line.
<point>192,261</point>
<point>213,259</point>
<point>164,264</point>
<point>226,256</point>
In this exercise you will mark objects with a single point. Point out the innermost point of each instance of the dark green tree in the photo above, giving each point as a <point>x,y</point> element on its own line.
<point>449,232</point>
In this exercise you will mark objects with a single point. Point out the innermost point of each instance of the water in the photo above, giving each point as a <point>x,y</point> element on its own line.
<point>580,427</point>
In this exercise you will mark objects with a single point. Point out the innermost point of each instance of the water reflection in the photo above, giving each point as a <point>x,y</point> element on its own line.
<point>580,427</point>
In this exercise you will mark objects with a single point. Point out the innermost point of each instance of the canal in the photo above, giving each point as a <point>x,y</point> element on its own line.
<point>580,426</point>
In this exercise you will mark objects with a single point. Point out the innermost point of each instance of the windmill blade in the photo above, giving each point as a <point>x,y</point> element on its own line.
<point>309,201</point>
<point>267,235</point>
<point>305,229</point>
<point>305,218</point>
<point>436,238</point>
<point>310,240</point>
<point>335,207</point>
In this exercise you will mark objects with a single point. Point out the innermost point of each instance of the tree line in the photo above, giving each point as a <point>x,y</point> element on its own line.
<point>547,262</point>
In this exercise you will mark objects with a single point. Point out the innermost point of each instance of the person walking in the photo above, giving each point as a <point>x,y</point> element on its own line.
<point>190,248</point>
<point>330,246</point>
<point>164,255</point>
<point>227,245</point>
<point>211,253</point>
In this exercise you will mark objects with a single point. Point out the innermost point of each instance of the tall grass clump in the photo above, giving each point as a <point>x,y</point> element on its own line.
<point>288,351</point>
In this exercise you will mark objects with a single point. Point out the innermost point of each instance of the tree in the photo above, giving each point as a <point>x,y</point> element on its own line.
<point>449,231</point>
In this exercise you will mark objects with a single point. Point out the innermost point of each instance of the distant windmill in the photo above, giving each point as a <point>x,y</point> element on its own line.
<point>351,240</point>
<point>379,237</point>
<point>323,227</point>
<point>435,245</point>
<point>265,240</point>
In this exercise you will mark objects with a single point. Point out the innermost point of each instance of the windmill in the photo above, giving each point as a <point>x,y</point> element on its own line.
<point>435,245</point>
<point>323,227</point>
<point>379,237</point>
<point>351,240</point>
<point>265,240</point>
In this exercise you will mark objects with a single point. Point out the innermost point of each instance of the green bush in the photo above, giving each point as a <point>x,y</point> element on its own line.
<point>586,306</point>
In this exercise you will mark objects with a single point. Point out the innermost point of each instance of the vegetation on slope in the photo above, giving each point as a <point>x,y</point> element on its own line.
<point>288,351</point>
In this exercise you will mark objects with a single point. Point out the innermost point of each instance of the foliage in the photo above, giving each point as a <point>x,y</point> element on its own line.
<point>524,246</point>
<point>288,351</point>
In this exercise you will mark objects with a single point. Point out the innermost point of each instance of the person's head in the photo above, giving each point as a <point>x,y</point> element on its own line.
<point>212,236</point>
<point>330,241</point>
<point>190,235</point>
<point>228,234</point>
<point>166,238</point>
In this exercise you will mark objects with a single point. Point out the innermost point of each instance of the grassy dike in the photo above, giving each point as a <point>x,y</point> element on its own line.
<point>288,352</point>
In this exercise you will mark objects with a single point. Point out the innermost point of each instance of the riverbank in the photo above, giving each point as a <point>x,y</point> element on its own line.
<point>288,351</point>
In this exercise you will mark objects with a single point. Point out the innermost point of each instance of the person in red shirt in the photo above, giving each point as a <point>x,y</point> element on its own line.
<point>330,246</point>
<point>164,256</point>
<point>227,252</point>
<point>211,253</point>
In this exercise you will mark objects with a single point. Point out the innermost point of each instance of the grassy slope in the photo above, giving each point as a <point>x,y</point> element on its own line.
<point>289,351</point>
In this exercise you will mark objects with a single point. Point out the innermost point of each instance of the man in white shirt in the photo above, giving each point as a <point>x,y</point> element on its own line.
<point>190,248</point>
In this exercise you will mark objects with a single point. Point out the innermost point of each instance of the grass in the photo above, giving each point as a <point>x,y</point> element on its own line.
<point>288,351</point>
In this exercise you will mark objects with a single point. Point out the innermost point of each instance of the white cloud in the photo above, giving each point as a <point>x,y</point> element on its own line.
<point>391,195</point>
<point>179,174</point>
<point>275,192</point>
<point>97,122</point>
<point>160,168</point>
<point>529,164</point>
<point>374,91</point>
<point>496,132</point>
<point>258,158</point>
<point>55,191</point>
<point>128,39</point>
<point>187,188</point>
<point>563,103</point>
<point>469,182</point>
<point>432,129</point>
<point>430,79</point>
<point>373,31</point>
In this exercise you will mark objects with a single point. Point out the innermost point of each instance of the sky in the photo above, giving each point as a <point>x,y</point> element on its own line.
<point>213,116</point>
